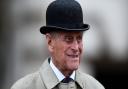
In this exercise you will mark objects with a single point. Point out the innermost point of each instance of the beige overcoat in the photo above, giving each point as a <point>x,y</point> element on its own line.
<point>46,79</point>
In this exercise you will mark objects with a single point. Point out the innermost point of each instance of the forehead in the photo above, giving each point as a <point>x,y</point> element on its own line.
<point>71,33</point>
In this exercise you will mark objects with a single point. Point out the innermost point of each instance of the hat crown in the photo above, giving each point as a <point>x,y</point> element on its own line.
<point>64,13</point>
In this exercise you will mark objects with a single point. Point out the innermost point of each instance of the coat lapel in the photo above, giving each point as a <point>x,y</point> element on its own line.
<point>80,80</point>
<point>48,76</point>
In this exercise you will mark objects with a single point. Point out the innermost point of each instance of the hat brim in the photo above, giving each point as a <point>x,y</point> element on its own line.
<point>48,29</point>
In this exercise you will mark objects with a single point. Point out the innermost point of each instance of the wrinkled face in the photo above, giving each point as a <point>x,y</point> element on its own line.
<point>66,49</point>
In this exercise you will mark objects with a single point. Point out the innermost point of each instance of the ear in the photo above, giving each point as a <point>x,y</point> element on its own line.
<point>50,42</point>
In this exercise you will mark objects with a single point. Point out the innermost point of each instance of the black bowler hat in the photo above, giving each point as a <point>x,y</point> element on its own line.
<point>64,15</point>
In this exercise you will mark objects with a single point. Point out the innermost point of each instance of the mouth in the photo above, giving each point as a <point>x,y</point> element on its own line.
<point>73,56</point>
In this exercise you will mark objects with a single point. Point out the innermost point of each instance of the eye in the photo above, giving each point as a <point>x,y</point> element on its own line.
<point>68,39</point>
<point>79,39</point>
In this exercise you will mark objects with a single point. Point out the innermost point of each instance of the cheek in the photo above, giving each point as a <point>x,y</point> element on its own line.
<point>60,50</point>
<point>81,48</point>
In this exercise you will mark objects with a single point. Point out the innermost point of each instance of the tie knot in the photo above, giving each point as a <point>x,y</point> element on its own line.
<point>67,80</point>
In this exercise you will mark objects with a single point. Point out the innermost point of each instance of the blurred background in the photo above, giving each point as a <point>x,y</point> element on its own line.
<point>23,48</point>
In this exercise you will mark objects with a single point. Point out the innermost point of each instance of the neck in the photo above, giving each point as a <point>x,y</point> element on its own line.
<point>66,72</point>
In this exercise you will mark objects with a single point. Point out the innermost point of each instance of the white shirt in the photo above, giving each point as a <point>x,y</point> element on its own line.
<point>57,72</point>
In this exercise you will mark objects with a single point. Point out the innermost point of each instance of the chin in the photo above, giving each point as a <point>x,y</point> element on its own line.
<point>74,67</point>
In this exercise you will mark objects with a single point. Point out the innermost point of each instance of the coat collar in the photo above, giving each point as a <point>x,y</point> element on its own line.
<point>79,79</point>
<point>50,79</point>
<point>48,76</point>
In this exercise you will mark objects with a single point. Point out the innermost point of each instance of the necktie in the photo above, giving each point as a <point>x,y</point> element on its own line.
<point>67,80</point>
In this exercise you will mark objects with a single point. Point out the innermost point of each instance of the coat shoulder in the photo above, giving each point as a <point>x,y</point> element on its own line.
<point>90,81</point>
<point>30,81</point>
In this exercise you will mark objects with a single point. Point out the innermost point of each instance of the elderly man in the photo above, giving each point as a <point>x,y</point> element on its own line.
<point>64,32</point>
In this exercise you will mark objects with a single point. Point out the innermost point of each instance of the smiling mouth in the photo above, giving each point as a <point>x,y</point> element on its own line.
<point>73,56</point>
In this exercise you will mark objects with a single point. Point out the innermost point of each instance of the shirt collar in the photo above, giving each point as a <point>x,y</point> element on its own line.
<point>57,72</point>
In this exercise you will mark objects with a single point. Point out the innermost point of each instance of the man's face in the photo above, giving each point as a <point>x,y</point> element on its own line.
<point>66,50</point>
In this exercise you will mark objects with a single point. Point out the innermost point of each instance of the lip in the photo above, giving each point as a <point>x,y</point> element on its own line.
<point>73,56</point>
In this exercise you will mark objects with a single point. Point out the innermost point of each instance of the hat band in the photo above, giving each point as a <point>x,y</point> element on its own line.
<point>69,26</point>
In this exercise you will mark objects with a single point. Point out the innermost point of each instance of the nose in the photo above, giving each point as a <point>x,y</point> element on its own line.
<point>75,46</point>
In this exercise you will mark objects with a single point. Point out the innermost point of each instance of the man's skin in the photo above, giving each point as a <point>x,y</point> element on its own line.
<point>66,50</point>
